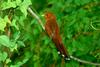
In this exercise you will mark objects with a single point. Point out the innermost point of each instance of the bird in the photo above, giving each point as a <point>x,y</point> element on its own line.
<point>53,31</point>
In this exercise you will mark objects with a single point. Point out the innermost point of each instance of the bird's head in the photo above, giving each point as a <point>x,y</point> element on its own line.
<point>49,16</point>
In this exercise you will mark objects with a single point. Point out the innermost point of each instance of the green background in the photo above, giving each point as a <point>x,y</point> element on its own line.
<point>23,42</point>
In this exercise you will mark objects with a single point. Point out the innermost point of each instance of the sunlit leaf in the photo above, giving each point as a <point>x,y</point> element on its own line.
<point>7,5</point>
<point>4,40</point>
<point>3,22</point>
<point>3,56</point>
<point>24,6</point>
<point>15,24</point>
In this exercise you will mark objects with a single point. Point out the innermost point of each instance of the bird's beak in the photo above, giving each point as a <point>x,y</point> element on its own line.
<point>42,15</point>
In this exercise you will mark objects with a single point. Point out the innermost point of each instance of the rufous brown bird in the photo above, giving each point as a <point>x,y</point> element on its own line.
<point>53,32</point>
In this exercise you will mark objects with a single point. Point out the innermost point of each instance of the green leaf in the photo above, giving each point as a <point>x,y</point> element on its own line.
<point>24,5</point>
<point>3,22</point>
<point>20,63</point>
<point>4,40</point>
<point>14,24</point>
<point>21,43</point>
<point>3,56</point>
<point>13,46</point>
<point>18,2</point>
<point>8,60</point>
<point>7,5</point>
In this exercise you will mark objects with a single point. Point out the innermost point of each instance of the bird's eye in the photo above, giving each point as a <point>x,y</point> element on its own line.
<point>47,15</point>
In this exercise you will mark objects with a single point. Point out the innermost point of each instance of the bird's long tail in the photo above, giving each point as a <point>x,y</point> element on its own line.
<point>64,53</point>
<point>61,48</point>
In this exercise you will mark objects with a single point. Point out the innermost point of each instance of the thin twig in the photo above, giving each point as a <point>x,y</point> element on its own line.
<point>72,57</point>
<point>35,16</point>
<point>84,61</point>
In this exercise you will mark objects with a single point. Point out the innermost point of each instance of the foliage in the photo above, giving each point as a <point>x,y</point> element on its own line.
<point>24,43</point>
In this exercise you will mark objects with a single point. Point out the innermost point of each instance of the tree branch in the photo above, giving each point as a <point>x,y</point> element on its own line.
<point>84,61</point>
<point>35,16</point>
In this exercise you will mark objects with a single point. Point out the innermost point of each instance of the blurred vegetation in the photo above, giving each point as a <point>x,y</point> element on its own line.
<point>23,43</point>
